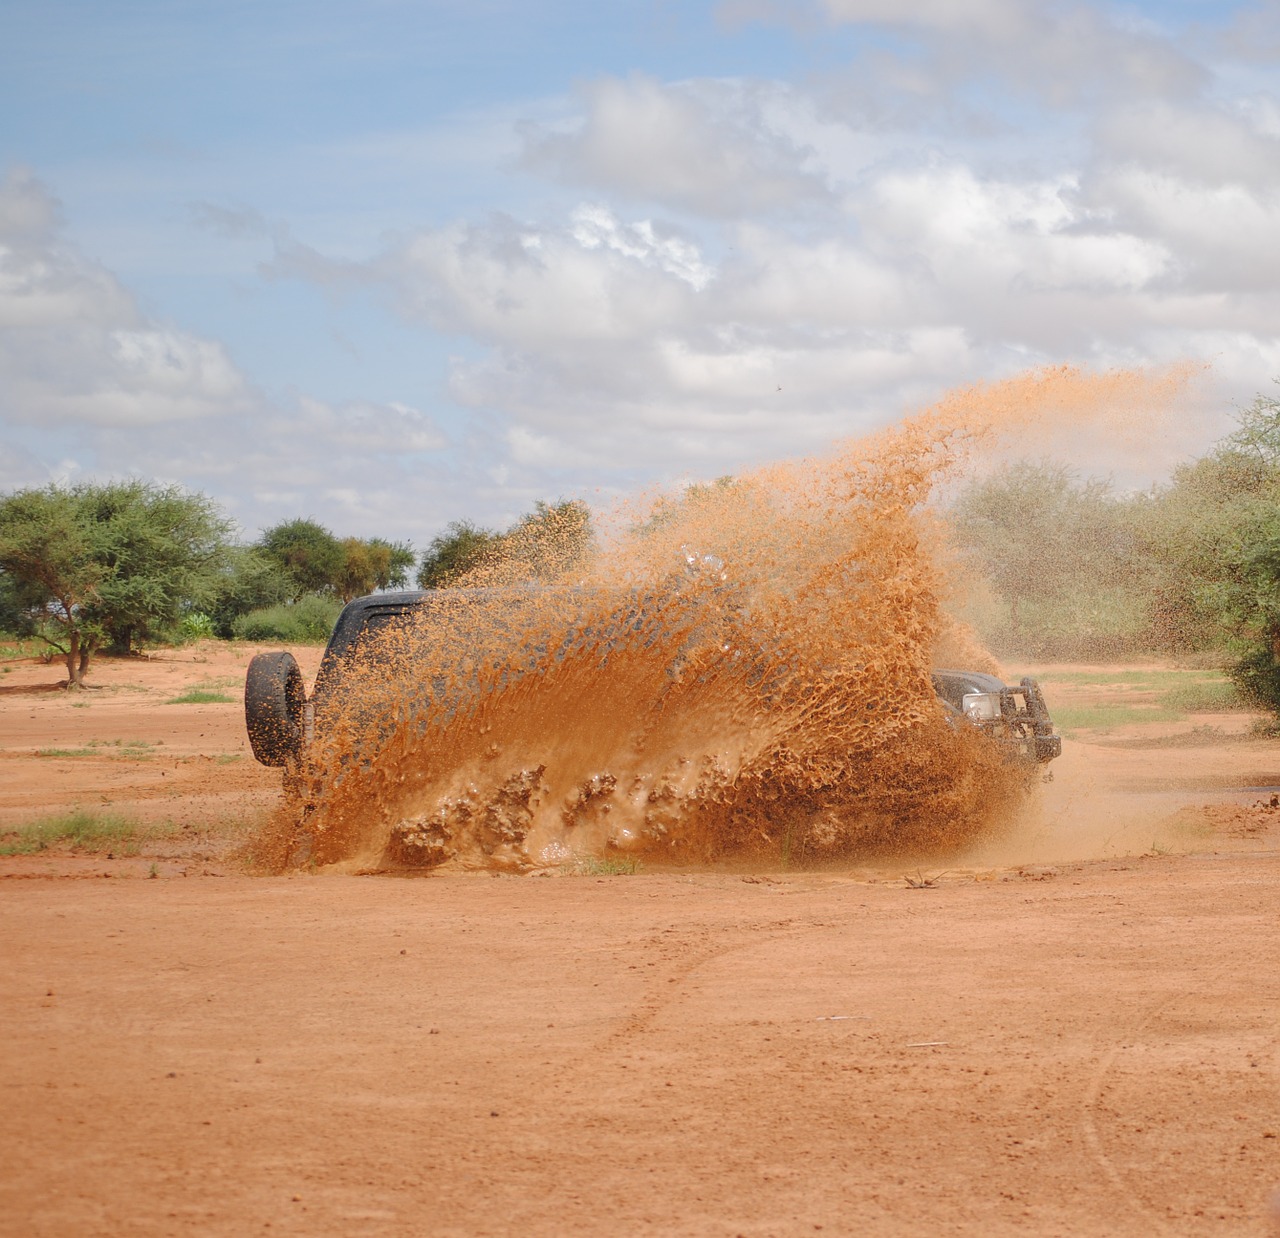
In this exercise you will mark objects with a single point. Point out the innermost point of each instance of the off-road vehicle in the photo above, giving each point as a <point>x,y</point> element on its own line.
<point>282,720</point>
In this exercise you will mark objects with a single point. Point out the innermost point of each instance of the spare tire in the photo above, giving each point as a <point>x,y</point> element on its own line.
<point>274,695</point>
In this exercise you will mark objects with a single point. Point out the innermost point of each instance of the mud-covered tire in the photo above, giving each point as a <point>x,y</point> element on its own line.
<point>274,696</point>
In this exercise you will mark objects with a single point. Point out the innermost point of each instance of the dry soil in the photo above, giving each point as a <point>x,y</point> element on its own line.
<point>1072,1031</point>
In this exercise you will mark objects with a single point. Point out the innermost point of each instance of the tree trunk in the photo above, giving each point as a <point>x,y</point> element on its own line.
<point>75,665</point>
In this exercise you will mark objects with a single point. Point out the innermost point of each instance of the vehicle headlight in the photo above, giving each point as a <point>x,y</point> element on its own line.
<point>981,706</point>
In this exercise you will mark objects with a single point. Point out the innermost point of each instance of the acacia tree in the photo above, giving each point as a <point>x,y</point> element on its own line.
<point>462,547</point>
<point>1048,541</point>
<point>552,539</point>
<point>313,560</point>
<point>541,545</point>
<point>1215,531</point>
<point>306,553</point>
<point>372,564</point>
<point>51,573</point>
<point>249,581</point>
<point>164,550</point>
<point>89,564</point>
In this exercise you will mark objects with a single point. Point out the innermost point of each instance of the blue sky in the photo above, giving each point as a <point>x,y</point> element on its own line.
<point>393,263</point>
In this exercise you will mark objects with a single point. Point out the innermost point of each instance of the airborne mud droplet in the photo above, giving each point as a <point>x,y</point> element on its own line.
<point>739,671</point>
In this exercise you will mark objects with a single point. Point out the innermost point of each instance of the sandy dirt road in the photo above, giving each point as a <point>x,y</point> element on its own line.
<point>1035,1044</point>
<point>1096,1053</point>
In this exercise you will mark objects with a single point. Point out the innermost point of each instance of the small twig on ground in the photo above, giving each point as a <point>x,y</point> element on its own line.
<point>921,882</point>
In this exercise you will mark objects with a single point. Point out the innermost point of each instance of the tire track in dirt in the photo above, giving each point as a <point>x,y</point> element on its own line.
<point>678,947</point>
<point>1089,1127</point>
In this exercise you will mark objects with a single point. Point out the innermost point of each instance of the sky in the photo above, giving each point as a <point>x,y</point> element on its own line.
<point>402,262</point>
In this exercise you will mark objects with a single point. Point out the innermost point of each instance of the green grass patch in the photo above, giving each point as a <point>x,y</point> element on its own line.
<point>201,696</point>
<point>132,750</point>
<point>1103,716</point>
<point>79,831</point>
<point>1213,696</point>
<point>1151,679</point>
<point>13,648</point>
<point>1174,694</point>
<point>594,866</point>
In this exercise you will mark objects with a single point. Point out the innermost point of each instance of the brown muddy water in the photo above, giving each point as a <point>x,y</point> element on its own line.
<point>739,671</point>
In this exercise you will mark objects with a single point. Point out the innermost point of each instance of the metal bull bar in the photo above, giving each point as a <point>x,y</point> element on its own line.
<point>1017,714</point>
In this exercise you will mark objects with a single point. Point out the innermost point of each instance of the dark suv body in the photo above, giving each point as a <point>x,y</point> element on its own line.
<point>282,719</point>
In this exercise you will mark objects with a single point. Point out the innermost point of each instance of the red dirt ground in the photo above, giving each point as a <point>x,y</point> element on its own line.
<point>1072,1032</point>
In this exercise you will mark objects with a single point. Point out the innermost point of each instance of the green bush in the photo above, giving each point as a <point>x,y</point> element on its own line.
<point>1257,676</point>
<point>194,626</point>
<point>308,621</point>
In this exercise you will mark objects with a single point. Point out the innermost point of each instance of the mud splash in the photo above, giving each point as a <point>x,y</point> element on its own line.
<point>739,671</point>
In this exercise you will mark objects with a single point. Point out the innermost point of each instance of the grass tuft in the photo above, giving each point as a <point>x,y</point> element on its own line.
<point>79,830</point>
<point>594,866</point>
<point>201,696</point>
<point>133,750</point>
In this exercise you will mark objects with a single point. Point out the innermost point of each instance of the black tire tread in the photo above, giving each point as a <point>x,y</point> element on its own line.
<point>274,695</point>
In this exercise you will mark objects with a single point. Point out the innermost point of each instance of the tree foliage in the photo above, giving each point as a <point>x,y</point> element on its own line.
<point>164,550</point>
<point>1220,547</point>
<point>551,540</point>
<point>542,545</point>
<point>1062,551</point>
<point>460,549</point>
<point>306,553</point>
<point>250,580</point>
<point>315,561</point>
<point>372,564</point>
<point>88,564</point>
<point>1190,565</point>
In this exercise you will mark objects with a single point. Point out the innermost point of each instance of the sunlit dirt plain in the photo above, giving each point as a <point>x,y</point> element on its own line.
<point>1068,1030</point>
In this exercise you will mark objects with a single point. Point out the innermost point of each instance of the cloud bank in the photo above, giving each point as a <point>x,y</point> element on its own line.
<point>755,268</point>
<point>703,273</point>
<point>99,388</point>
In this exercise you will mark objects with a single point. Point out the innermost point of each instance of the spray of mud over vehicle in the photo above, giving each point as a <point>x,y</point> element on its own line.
<point>739,669</point>
<point>518,728</point>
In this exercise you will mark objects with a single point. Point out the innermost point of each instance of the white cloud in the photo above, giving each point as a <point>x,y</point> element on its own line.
<point>617,342</point>
<point>595,227</point>
<point>360,468</point>
<point>740,269</point>
<point>90,386</point>
<point>709,147</point>
<point>990,17</point>
<point>368,429</point>
<point>1198,143</point>
<point>971,66</point>
<point>75,347</point>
